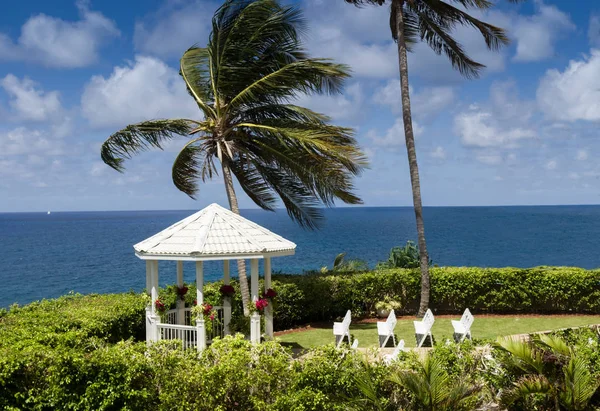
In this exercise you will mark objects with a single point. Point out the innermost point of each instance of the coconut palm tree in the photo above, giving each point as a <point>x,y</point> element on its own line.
<point>244,83</point>
<point>432,21</point>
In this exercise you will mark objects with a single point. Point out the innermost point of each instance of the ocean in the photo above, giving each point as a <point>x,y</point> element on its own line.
<point>47,255</point>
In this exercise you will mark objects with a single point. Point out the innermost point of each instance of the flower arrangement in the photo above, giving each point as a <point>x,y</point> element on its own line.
<point>209,314</point>
<point>258,305</point>
<point>160,306</point>
<point>181,291</point>
<point>227,290</point>
<point>270,294</point>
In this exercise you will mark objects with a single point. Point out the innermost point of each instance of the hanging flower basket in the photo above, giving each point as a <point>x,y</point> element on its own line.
<point>227,290</point>
<point>270,294</point>
<point>181,291</point>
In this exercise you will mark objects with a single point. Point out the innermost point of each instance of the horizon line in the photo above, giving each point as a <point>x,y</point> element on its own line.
<point>323,208</point>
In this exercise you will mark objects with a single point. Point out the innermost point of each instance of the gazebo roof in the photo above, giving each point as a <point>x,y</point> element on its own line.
<point>213,233</point>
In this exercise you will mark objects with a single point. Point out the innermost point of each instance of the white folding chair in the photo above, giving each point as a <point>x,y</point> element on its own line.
<point>354,345</point>
<point>342,329</point>
<point>385,329</point>
<point>462,328</point>
<point>423,328</point>
<point>390,358</point>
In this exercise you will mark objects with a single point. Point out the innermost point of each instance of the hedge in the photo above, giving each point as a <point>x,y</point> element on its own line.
<point>544,290</point>
<point>316,297</point>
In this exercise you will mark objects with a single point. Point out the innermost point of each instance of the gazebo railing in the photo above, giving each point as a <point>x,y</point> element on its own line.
<point>171,330</point>
<point>185,333</point>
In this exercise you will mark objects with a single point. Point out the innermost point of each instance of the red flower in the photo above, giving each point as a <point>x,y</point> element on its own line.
<point>227,290</point>
<point>159,305</point>
<point>270,293</point>
<point>212,316</point>
<point>181,291</point>
<point>195,302</point>
<point>206,309</point>
<point>261,304</point>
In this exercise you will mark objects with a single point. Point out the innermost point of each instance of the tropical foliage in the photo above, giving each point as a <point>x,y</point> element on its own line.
<point>244,83</point>
<point>432,22</point>
<point>60,354</point>
<point>403,257</point>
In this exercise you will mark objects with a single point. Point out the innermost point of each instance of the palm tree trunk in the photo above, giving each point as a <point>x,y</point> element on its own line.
<point>233,205</point>
<point>412,158</point>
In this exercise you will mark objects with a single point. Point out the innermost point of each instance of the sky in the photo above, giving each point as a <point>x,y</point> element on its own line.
<point>526,132</point>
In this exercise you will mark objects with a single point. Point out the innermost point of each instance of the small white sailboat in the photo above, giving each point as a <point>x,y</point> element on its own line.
<point>48,212</point>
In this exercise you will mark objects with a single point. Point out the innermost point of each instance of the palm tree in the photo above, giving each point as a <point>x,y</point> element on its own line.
<point>244,83</point>
<point>432,21</point>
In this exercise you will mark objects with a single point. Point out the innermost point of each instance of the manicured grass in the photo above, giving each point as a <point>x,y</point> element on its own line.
<point>488,327</point>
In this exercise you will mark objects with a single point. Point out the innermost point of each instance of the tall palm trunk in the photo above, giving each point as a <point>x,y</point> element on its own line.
<point>233,205</point>
<point>412,158</point>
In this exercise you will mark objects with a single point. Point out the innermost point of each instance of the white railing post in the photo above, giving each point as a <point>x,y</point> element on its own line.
<point>269,308</point>
<point>156,329</point>
<point>226,300</point>
<point>255,318</point>
<point>200,334</point>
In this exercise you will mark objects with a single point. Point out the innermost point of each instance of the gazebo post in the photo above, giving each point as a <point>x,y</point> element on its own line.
<point>200,328</point>
<point>226,301</point>
<point>180,304</point>
<point>255,318</point>
<point>155,318</point>
<point>269,309</point>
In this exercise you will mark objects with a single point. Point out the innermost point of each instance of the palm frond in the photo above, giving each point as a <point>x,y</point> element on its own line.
<point>194,162</point>
<point>556,344</point>
<point>580,385</point>
<point>526,387</point>
<point>253,184</point>
<point>140,137</point>
<point>195,71</point>
<point>525,356</point>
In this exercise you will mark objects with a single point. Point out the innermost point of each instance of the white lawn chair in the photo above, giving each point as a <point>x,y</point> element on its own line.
<point>390,358</point>
<point>423,328</point>
<point>462,328</point>
<point>342,329</point>
<point>355,344</point>
<point>385,329</point>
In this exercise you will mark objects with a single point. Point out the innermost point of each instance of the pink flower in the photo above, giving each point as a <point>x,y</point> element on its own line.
<point>207,308</point>
<point>261,304</point>
<point>212,316</point>
<point>159,305</point>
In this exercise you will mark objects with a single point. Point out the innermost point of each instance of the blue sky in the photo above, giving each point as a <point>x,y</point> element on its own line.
<point>526,132</point>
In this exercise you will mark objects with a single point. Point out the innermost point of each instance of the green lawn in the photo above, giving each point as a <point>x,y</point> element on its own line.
<point>483,328</point>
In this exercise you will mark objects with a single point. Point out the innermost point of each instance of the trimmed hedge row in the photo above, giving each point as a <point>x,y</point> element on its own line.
<point>317,297</point>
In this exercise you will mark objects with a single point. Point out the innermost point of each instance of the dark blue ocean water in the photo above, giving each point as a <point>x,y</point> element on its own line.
<point>44,256</point>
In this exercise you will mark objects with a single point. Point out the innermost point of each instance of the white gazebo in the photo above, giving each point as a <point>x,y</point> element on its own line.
<point>213,233</point>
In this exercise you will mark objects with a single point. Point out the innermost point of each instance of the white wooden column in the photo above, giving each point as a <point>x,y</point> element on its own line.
<point>149,277</point>
<point>200,328</point>
<point>255,318</point>
<point>226,301</point>
<point>154,318</point>
<point>180,304</point>
<point>269,309</point>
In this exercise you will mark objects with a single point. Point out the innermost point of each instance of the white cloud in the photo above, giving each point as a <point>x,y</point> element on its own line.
<point>346,106</point>
<point>439,152</point>
<point>142,90</point>
<point>504,122</point>
<point>174,28</point>
<point>425,103</point>
<point>58,43</point>
<point>28,102</point>
<point>574,176</point>
<point>551,165</point>
<point>394,136</point>
<point>537,34</point>
<point>24,141</point>
<point>582,155</point>
<point>594,31</point>
<point>352,36</point>
<point>573,94</point>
